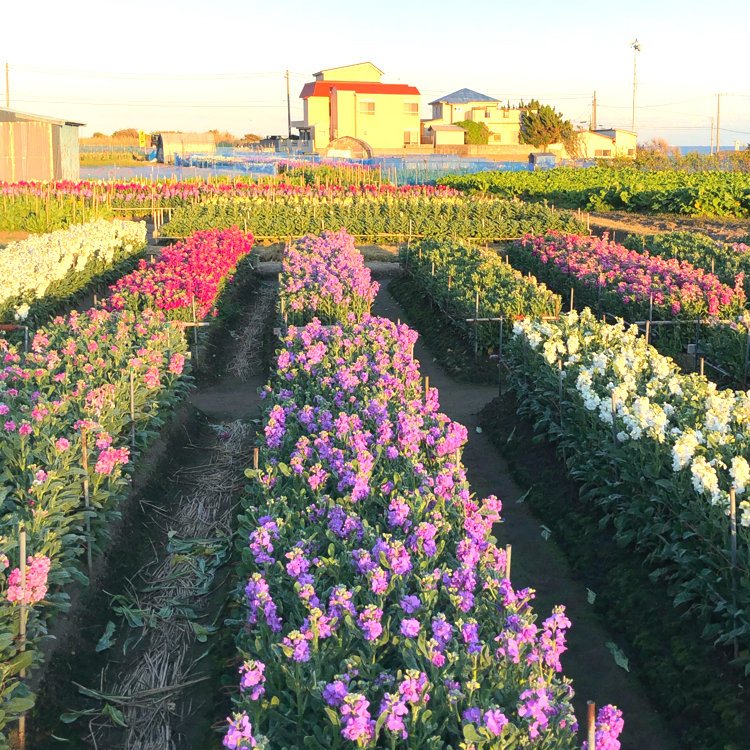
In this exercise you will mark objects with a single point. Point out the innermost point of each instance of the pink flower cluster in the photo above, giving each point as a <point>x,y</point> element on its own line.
<point>187,272</point>
<point>599,263</point>
<point>37,569</point>
<point>170,192</point>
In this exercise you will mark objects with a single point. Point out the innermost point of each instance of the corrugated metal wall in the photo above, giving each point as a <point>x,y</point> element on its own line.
<point>27,151</point>
<point>36,150</point>
<point>68,165</point>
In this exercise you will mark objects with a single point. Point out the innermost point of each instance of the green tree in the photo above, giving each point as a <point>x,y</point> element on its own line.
<point>542,125</point>
<point>476,132</point>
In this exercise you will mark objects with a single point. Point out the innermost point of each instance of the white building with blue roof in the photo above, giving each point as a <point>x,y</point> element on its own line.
<point>503,122</point>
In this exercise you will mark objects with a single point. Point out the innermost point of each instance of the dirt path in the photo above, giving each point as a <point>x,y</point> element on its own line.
<point>538,563</point>
<point>620,224</point>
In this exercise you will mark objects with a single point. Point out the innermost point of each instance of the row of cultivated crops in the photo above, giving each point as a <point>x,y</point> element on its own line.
<point>375,606</point>
<point>66,420</point>
<point>663,452</point>
<point>602,188</point>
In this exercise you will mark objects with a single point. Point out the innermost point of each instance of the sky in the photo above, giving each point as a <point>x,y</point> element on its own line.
<point>193,66</point>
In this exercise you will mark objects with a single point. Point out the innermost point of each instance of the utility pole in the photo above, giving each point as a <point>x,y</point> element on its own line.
<point>288,110</point>
<point>718,113</point>
<point>7,87</point>
<point>636,49</point>
<point>593,113</point>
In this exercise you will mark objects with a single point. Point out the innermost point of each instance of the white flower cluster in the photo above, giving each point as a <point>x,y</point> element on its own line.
<point>619,376</point>
<point>31,265</point>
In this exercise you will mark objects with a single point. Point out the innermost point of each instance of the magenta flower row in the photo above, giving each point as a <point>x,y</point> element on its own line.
<point>635,277</point>
<point>186,273</point>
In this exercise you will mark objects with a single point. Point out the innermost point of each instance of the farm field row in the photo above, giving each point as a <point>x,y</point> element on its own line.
<point>88,397</point>
<point>658,451</point>
<point>362,533</point>
<point>721,194</point>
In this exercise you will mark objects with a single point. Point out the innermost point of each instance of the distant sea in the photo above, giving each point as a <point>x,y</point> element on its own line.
<point>701,149</point>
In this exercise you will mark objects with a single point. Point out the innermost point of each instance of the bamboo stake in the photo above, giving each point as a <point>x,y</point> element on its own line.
<point>571,299</point>
<point>195,329</point>
<point>132,408</point>
<point>508,555</point>
<point>86,499</point>
<point>22,628</point>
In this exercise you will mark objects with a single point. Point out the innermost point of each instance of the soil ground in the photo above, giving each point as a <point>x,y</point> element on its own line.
<point>619,224</point>
<point>538,562</point>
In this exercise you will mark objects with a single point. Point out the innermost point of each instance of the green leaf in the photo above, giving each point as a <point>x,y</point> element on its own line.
<point>115,714</point>
<point>620,659</point>
<point>106,640</point>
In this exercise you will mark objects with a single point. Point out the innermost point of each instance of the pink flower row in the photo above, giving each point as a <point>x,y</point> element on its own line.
<point>633,276</point>
<point>186,273</point>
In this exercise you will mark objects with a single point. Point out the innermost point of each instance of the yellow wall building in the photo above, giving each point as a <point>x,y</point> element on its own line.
<point>606,144</point>
<point>352,102</point>
<point>504,123</point>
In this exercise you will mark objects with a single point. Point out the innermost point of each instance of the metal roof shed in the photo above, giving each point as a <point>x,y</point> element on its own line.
<point>542,160</point>
<point>36,147</point>
<point>169,145</point>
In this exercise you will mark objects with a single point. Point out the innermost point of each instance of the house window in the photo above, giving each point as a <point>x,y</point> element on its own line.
<point>631,152</point>
<point>506,114</point>
<point>603,152</point>
<point>411,108</point>
<point>366,108</point>
<point>497,137</point>
<point>411,137</point>
<point>488,113</point>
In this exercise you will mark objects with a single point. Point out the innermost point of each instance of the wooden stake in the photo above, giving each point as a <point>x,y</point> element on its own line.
<point>195,329</point>
<point>571,299</point>
<point>255,458</point>
<point>22,628</point>
<point>508,555</point>
<point>426,387</point>
<point>592,724</point>
<point>132,408</point>
<point>86,499</point>
<point>703,361</point>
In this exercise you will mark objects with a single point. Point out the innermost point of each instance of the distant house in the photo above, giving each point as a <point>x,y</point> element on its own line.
<point>170,145</point>
<point>36,147</point>
<point>446,135</point>
<point>351,102</point>
<point>504,123</point>
<point>607,143</point>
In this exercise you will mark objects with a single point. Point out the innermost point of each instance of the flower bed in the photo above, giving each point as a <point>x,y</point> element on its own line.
<point>325,277</point>
<point>69,397</point>
<point>468,282</point>
<point>187,274</point>
<point>662,469</point>
<point>381,215</point>
<point>61,263</point>
<point>376,608</point>
<point>610,278</point>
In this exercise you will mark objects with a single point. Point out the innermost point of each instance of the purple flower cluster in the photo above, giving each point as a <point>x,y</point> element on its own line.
<point>609,726</point>
<point>325,277</point>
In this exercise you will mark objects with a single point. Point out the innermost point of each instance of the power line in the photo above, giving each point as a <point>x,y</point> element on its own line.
<point>145,76</point>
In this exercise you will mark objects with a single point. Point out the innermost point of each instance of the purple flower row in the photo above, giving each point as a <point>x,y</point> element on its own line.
<point>375,595</point>
<point>325,277</point>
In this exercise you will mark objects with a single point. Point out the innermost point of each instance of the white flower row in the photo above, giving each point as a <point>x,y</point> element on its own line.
<point>621,378</point>
<point>31,265</point>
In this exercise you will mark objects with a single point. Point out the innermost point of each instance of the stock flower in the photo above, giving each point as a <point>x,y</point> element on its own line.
<point>239,733</point>
<point>37,568</point>
<point>252,677</point>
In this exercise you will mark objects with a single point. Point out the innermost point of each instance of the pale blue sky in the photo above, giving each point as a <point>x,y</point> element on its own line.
<point>193,65</point>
